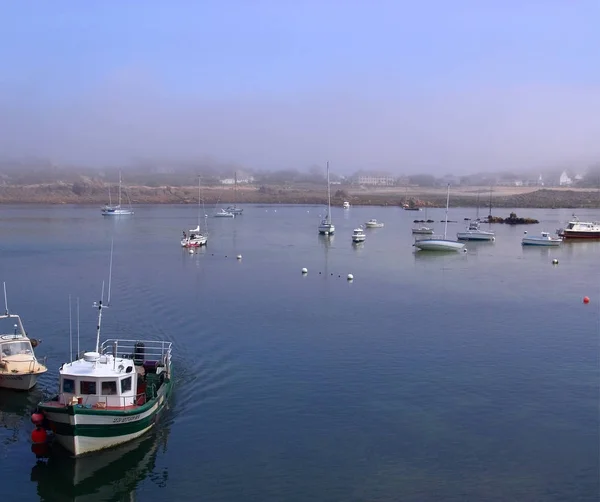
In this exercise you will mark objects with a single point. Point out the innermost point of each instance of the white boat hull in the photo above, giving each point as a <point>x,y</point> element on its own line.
<point>476,236</point>
<point>327,229</point>
<point>116,212</point>
<point>538,241</point>
<point>18,382</point>
<point>422,231</point>
<point>194,243</point>
<point>438,245</point>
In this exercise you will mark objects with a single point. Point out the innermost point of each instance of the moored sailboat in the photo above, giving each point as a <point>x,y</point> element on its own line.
<point>326,227</point>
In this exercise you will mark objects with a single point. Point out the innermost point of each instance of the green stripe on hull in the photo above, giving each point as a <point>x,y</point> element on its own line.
<point>109,429</point>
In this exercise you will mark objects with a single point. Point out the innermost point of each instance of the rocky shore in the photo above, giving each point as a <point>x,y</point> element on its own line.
<point>96,193</point>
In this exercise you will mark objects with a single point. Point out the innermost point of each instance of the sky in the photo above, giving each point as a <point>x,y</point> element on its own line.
<point>446,86</point>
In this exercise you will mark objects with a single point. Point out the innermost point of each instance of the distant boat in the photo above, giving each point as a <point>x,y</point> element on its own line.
<point>110,210</point>
<point>234,209</point>
<point>541,240</point>
<point>440,243</point>
<point>474,233</point>
<point>358,235</point>
<point>224,214</point>
<point>196,237</point>
<point>422,231</point>
<point>373,223</point>
<point>346,205</point>
<point>326,227</point>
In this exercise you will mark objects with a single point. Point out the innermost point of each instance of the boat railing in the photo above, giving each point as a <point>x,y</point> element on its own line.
<point>141,351</point>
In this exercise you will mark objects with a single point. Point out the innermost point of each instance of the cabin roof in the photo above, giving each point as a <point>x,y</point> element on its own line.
<point>106,366</point>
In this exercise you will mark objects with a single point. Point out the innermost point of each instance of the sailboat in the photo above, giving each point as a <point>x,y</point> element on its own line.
<point>473,231</point>
<point>110,210</point>
<point>234,209</point>
<point>326,227</point>
<point>435,243</point>
<point>196,237</point>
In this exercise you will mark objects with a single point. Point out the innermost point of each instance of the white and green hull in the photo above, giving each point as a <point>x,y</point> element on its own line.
<point>83,430</point>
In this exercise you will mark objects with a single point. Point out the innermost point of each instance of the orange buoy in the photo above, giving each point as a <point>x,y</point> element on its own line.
<point>37,418</point>
<point>586,299</point>
<point>38,435</point>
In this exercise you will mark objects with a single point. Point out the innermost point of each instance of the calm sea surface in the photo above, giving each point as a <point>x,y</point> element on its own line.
<point>465,377</point>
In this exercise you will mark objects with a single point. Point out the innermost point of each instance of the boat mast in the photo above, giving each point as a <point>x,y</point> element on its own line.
<point>235,189</point>
<point>447,202</point>
<point>5,300</point>
<point>328,197</point>
<point>119,188</point>
<point>100,304</point>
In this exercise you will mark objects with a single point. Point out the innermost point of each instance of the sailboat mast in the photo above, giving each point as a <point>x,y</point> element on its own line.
<point>328,196</point>
<point>119,188</point>
<point>199,197</point>
<point>447,202</point>
<point>235,189</point>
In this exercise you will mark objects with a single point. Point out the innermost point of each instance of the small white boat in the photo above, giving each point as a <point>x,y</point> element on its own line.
<point>234,209</point>
<point>326,227</point>
<point>373,223</point>
<point>541,240</point>
<point>358,235</point>
<point>576,229</point>
<point>435,243</point>
<point>19,368</point>
<point>346,205</point>
<point>196,237</point>
<point>422,231</point>
<point>474,233</point>
<point>224,214</point>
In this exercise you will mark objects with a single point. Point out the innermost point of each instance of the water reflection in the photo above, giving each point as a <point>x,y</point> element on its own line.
<point>112,475</point>
<point>15,409</point>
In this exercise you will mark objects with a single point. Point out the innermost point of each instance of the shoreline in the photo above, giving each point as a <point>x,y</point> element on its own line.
<point>501,197</point>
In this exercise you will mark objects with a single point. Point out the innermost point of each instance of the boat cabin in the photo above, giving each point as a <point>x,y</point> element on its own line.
<point>14,343</point>
<point>107,380</point>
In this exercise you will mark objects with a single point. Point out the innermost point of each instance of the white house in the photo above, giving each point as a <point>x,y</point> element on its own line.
<point>564,179</point>
<point>376,180</point>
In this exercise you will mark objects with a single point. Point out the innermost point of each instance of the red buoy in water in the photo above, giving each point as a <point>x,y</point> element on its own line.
<point>40,449</point>
<point>37,418</point>
<point>586,299</point>
<point>38,435</point>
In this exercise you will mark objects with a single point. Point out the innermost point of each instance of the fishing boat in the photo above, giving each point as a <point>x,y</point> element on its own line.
<point>326,227</point>
<point>576,229</point>
<point>358,235</point>
<point>435,243</point>
<point>118,210</point>
<point>19,368</point>
<point>545,239</point>
<point>107,396</point>
<point>373,223</point>
<point>196,238</point>
<point>234,209</point>
<point>422,230</point>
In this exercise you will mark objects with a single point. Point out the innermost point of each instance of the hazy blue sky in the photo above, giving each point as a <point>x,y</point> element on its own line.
<point>444,86</point>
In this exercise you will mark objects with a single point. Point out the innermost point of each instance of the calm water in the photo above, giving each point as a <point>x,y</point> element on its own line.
<point>462,377</point>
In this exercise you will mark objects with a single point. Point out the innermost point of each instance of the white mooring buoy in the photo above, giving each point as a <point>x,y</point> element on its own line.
<point>350,277</point>
<point>239,257</point>
<point>305,271</point>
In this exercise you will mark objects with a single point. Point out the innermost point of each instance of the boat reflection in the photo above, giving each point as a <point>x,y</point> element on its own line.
<point>15,412</point>
<point>112,475</point>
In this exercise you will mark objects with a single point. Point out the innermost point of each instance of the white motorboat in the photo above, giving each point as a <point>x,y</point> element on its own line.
<point>545,239</point>
<point>196,237</point>
<point>358,235</point>
<point>435,243</point>
<point>224,214</point>
<point>576,229</point>
<point>474,233</point>
<point>326,227</point>
<point>19,368</point>
<point>373,223</point>
<point>346,205</point>
<point>117,210</point>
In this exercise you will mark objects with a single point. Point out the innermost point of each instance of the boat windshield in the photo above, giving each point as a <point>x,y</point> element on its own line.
<point>15,348</point>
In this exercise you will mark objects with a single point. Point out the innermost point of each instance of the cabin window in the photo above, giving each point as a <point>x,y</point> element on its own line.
<point>125,385</point>
<point>69,386</point>
<point>16,348</point>
<point>88,387</point>
<point>109,388</point>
